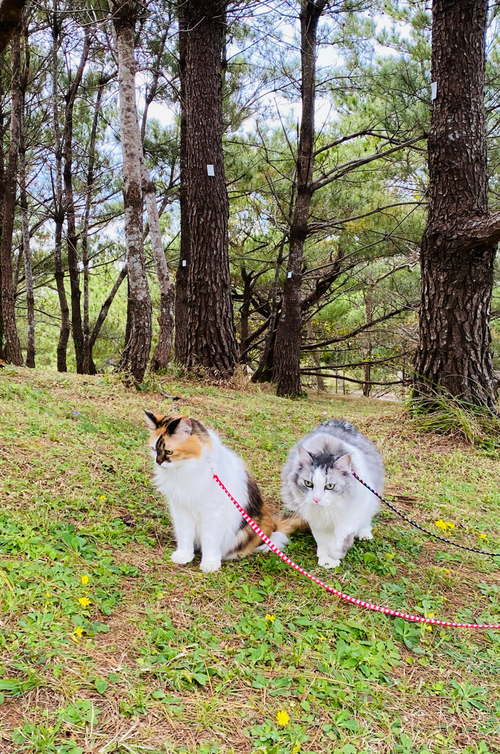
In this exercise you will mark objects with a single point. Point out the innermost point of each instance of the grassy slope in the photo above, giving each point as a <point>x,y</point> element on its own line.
<point>166,659</point>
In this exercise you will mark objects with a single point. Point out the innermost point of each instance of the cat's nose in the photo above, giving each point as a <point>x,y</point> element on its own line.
<point>317,499</point>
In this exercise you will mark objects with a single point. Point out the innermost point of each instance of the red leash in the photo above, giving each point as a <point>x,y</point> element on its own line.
<point>342,595</point>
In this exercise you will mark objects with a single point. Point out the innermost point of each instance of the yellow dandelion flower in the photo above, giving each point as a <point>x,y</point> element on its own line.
<point>282,717</point>
<point>103,498</point>
<point>447,570</point>
<point>428,628</point>
<point>444,525</point>
<point>79,631</point>
<point>48,594</point>
<point>430,615</point>
<point>483,536</point>
<point>84,601</point>
<point>270,618</point>
<point>85,579</point>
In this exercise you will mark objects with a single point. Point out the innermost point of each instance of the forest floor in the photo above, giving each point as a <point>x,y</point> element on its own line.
<point>107,647</point>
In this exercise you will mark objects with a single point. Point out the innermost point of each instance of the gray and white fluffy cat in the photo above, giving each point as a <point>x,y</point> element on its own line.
<point>318,486</point>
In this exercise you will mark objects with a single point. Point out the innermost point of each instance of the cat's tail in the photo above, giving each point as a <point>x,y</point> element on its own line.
<point>283,526</point>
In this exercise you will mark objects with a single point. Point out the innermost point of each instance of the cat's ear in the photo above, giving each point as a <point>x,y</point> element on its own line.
<point>184,428</point>
<point>343,463</point>
<point>151,420</point>
<point>304,455</point>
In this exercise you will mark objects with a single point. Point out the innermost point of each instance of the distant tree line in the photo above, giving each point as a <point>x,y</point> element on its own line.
<point>299,187</point>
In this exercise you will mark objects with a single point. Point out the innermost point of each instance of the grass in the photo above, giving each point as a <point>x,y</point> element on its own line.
<point>106,647</point>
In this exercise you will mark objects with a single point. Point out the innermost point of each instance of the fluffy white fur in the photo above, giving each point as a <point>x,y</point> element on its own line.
<point>202,514</point>
<point>335,516</point>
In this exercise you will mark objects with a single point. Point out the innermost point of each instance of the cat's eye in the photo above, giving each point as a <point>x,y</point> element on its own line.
<point>169,452</point>
<point>329,486</point>
<point>308,483</point>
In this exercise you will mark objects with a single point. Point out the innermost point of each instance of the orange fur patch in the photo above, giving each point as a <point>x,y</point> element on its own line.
<point>191,447</point>
<point>183,447</point>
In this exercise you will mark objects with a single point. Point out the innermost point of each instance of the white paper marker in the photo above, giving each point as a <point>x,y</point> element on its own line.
<point>434,90</point>
<point>210,170</point>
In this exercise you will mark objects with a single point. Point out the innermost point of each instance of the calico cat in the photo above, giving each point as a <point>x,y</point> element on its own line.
<point>318,486</point>
<point>202,514</point>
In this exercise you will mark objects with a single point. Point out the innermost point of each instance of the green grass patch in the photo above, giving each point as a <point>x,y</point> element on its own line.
<point>106,646</point>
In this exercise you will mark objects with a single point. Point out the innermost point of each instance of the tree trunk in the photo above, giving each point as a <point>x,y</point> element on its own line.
<point>12,348</point>
<point>454,351</point>
<point>106,307</point>
<point>28,269</point>
<point>286,371</point>
<point>207,338</point>
<point>2,197</point>
<point>134,359</point>
<point>181,278</point>
<point>88,366</point>
<point>248,285</point>
<point>264,371</point>
<point>69,207</point>
<point>57,191</point>
<point>163,348</point>
<point>368,297</point>
<point>10,16</point>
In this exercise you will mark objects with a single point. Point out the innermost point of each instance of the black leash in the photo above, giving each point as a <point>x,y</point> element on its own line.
<point>417,526</point>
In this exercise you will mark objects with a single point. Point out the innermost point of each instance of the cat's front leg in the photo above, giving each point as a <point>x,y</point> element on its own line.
<point>211,551</point>
<point>325,558</point>
<point>340,544</point>
<point>211,557</point>
<point>184,526</point>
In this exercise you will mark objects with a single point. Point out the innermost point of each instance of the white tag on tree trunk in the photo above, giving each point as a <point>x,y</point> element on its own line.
<point>183,262</point>
<point>289,274</point>
<point>210,170</point>
<point>434,90</point>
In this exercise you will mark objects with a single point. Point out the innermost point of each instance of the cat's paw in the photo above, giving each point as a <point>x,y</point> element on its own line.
<point>182,556</point>
<point>328,562</point>
<point>365,534</point>
<point>210,565</point>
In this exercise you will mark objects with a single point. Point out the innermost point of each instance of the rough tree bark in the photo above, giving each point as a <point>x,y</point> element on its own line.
<point>12,347</point>
<point>23,197</point>
<point>58,198</point>
<point>2,197</point>
<point>181,278</point>
<point>134,359</point>
<point>286,368</point>
<point>459,242</point>
<point>163,348</point>
<point>205,334</point>
<point>10,16</point>
<point>69,208</point>
<point>88,366</point>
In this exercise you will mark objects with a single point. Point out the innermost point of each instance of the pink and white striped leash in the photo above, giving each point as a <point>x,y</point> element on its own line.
<point>342,595</point>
